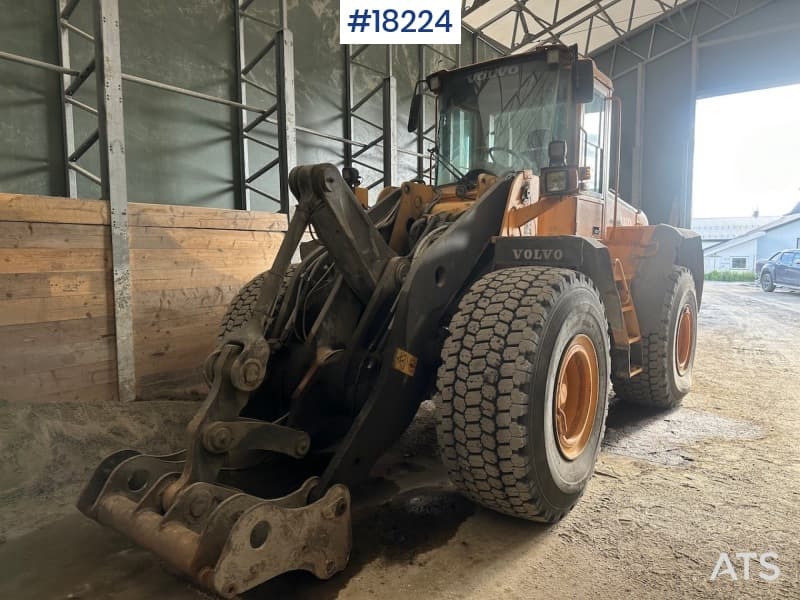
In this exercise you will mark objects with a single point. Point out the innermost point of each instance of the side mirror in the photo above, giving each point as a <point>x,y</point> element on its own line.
<point>583,80</point>
<point>416,105</point>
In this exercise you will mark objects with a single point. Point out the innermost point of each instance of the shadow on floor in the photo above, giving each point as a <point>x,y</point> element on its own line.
<point>412,523</point>
<point>665,436</point>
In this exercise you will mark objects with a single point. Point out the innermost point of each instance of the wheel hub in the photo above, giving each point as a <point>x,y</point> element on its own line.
<point>684,339</point>
<point>576,395</point>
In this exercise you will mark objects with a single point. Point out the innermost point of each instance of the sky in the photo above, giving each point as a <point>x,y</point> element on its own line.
<point>747,154</point>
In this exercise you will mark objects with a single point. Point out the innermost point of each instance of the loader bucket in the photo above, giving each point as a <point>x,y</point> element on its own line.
<point>223,539</point>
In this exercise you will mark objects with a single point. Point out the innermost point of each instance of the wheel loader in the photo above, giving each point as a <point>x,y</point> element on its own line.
<point>513,291</point>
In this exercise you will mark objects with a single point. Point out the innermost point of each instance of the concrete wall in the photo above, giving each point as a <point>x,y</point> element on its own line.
<point>182,150</point>
<point>654,77</point>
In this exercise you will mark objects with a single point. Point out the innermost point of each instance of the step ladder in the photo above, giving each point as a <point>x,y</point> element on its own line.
<point>629,318</point>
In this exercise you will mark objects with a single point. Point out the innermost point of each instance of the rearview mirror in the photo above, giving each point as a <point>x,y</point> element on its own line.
<point>583,80</point>
<point>413,113</point>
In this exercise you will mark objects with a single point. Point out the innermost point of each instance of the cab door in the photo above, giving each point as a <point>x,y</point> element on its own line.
<point>593,142</point>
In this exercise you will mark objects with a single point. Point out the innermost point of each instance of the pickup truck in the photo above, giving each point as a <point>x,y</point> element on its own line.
<point>782,269</point>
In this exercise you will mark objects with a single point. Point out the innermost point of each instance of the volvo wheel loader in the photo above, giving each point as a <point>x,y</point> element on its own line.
<point>512,291</point>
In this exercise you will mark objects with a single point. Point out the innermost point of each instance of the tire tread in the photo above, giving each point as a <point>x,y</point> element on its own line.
<point>241,306</point>
<point>652,387</point>
<point>483,383</point>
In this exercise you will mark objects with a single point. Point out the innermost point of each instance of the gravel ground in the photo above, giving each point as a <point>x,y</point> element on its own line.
<point>671,492</point>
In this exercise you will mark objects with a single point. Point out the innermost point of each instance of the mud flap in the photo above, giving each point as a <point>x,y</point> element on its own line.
<point>224,540</point>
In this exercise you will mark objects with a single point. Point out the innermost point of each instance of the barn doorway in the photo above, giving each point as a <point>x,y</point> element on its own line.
<point>746,153</point>
<point>745,178</point>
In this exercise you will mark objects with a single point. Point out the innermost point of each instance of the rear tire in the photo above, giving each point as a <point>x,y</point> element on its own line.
<point>668,356</point>
<point>767,283</point>
<point>241,307</point>
<point>498,401</point>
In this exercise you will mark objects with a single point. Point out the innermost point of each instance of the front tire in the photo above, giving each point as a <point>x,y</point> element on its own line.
<point>523,391</point>
<point>767,283</point>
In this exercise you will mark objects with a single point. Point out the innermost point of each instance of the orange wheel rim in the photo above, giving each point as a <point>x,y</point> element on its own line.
<point>576,395</point>
<point>684,339</point>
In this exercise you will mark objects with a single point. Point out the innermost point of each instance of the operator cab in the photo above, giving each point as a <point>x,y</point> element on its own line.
<point>545,111</point>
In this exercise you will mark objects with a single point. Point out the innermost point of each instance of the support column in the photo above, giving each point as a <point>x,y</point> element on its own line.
<point>242,200</point>
<point>421,126</point>
<point>114,185</point>
<point>638,147</point>
<point>71,183</point>
<point>279,48</point>
<point>686,205</point>
<point>287,122</point>
<point>385,89</point>
<point>347,129</point>
<point>390,173</point>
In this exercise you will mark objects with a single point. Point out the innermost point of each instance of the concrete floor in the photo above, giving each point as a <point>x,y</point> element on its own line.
<point>671,492</point>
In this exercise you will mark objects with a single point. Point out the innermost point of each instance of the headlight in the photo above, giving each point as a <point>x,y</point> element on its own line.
<point>556,181</point>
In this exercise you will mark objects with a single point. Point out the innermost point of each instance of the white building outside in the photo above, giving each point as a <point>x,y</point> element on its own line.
<point>741,253</point>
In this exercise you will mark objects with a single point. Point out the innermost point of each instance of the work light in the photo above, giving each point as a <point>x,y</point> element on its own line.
<point>556,181</point>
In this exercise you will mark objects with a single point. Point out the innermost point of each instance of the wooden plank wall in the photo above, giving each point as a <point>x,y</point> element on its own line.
<point>56,299</point>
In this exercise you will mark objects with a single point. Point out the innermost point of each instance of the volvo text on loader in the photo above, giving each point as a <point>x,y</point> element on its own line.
<point>513,292</point>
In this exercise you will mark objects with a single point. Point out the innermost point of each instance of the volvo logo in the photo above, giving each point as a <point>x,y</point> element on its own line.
<point>481,76</point>
<point>537,254</point>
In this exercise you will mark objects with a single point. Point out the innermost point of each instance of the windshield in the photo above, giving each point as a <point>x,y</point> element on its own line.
<point>502,119</point>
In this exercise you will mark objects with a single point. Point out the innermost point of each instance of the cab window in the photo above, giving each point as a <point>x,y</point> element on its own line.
<point>786,258</point>
<point>592,138</point>
<point>462,124</point>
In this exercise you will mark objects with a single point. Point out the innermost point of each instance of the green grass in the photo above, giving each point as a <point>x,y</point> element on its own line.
<point>730,276</point>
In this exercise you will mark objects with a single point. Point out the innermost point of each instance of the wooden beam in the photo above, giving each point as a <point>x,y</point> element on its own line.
<point>46,209</point>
